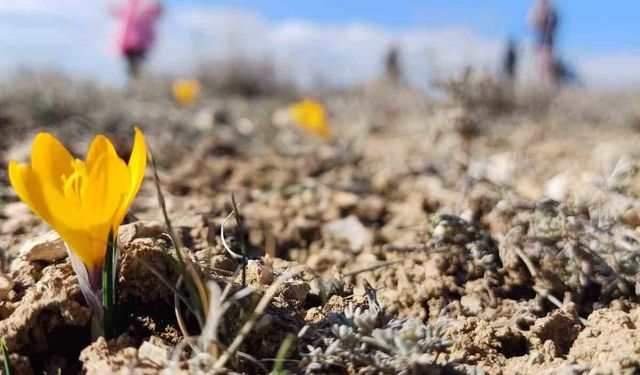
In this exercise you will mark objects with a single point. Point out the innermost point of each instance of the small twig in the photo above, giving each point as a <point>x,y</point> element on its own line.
<point>176,306</point>
<point>392,247</point>
<point>527,262</point>
<point>543,292</point>
<point>373,267</point>
<point>241,236</point>
<point>253,360</point>
<point>233,254</point>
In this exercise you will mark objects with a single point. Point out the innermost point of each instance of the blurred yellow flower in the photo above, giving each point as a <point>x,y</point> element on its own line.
<point>310,115</point>
<point>81,200</point>
<point>186,91</point>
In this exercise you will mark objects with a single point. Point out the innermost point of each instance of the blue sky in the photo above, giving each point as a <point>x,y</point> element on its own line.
<point>586,25</point>
<point>340,43</point>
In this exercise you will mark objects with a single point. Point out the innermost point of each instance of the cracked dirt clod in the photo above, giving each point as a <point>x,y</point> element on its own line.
<point>53,301</point>
<point>554,335</point>
<point>611,340</point>
<point>109,357</point>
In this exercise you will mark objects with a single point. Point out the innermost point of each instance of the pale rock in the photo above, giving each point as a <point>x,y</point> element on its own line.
<point>47,247</point>
<point>16,209</point>
<point>349,229</point>
<point>557,188</point>
<point>499,168</point>
<point>204,120</point>
<point>245,126</point>
<point>632,217</point>
<point>152,353</point>
<point>345,200</point>
<point>256,273</point>
<point>472,304</point>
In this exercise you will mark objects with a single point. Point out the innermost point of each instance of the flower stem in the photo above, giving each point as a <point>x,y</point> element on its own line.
<point>109,288</point>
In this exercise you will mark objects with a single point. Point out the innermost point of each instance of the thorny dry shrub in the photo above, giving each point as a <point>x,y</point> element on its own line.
<point>479,92</point>
<point>245,77</point>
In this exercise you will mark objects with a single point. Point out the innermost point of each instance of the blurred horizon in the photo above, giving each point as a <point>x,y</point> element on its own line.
<point>315,41</point>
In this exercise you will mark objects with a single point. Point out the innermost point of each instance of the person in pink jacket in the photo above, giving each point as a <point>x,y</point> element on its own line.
<point>543,18</point>
<point>136,20</point>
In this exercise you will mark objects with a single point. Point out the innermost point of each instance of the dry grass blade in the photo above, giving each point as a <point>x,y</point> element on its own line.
<point>373,267</point>
<point>255,315</point>
<point>224,240</point>
<point>192,278</point>
<point>241,233</point>
<point>176,307</point>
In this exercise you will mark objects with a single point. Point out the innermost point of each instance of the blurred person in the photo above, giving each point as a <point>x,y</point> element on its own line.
<point>510,60</point>
<point>135,35</point>
<point>392,65</point>
<point>543,18</point>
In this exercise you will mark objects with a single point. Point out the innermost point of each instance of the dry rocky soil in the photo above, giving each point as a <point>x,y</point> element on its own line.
<point>435,235</point>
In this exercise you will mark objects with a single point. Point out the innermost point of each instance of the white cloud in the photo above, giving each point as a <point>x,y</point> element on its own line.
<point>74,35</point>
<point>621,70</point>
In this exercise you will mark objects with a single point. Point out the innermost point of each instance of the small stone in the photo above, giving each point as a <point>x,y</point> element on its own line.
<point>472,304</point>
<point>6,285</point>
<point>321,289</point>
<point>349,229</point>
<point>557,188</point>
<point>129,232</point>
<point>295,290</point>
<point>632,217</point>
<point>257,273</point>
<point>16,209</point>
<point>204,120</point>
<point>47,247</point>
<point>371,209</point>
<point>345,200</point>
<point>153,353</point>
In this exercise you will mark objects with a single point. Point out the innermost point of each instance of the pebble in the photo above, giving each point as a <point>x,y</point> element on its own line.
<point>47,247</point>
<point>350,229</point>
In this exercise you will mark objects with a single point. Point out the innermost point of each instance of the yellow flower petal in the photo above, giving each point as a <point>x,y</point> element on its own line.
<point>24,181</point>
<point>107,186</point>
<point>311,115</point>
<point>99,146</point>
<point>50,159</point>
<point>137,165</point>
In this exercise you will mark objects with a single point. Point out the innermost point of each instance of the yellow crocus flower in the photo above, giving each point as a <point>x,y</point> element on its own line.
<point>186,91</point>
<point>81,200</point>
<point>311,115</point>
